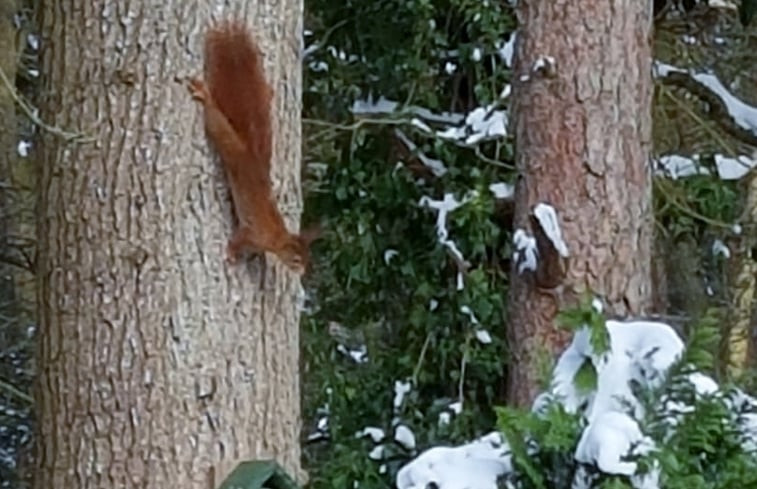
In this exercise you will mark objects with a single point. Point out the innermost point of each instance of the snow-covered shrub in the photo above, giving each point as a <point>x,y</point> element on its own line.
<point>636,414</point>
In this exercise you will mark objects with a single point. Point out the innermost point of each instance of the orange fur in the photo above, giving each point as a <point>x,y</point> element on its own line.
<point>237,103</point>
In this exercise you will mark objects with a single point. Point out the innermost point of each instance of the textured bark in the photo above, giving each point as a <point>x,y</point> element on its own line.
<point>739,330</point>
<point>687,296</point>
<point>17,174</point>
<point>583,130</point>
<point>159,366</point>
<point>8,135</point>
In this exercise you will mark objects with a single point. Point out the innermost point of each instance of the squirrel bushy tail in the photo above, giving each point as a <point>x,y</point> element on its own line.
<point>237,102</point>
<point>236,81</point>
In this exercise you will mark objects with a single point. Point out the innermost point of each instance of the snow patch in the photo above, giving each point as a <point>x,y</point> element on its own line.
<point>678,166</point>
<point>640,352</point>
<point>525,251</point>
<point>720,249</point>
<point>23,148</point>
<point>505,50</point>
<point>481,124</point>
<point>400,390</point>
<point>405,437</point>
<point>502,190</point>
<point>547,217</point>
<point>733,168</point>
<point>376,434</point>
<point>443,207</point>
<point>475,465</point>
<point>358,354</point>
<point>728,168</point>
<point>543,63</point>
<point>390,253</point>
<point>743,114</point>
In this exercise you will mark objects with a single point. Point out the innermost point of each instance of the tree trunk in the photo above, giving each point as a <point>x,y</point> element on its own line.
<point>583,132</point>
<point>8,140</point>
<point>159,365</point>
<point>739,329</point>
<point>17,176</point>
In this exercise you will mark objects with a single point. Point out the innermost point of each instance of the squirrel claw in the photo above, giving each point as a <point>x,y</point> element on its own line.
<point>232,254</point>
<point>197,89</point>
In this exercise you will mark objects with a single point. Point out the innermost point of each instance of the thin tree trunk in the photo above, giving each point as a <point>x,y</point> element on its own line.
<point>17,173</point>
<point>159,365</point>
<point>739,330</point>
<point>583,130</point>
<point>8,137</point>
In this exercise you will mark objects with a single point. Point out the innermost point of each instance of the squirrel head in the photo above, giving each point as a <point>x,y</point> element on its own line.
<point>296,251</point>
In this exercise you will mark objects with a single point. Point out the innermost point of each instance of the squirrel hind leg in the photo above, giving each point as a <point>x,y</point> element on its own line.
<point>240,242</point>
<point>294,254</point>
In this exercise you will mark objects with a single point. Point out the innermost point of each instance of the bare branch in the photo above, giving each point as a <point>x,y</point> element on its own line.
<point>31,114</point>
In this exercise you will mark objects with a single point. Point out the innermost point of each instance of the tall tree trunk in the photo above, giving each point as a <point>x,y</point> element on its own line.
<point>159,365</point>
<point>583,132</point>
<point>17,174</point>
<point>8,137</point>
<point>739,329</point>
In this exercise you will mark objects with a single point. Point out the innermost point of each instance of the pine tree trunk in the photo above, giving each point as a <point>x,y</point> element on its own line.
<point>583,132</point>
<point>159,365</point>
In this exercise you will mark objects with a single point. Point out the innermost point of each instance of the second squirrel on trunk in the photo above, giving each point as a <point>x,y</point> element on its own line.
<point>237,103</point>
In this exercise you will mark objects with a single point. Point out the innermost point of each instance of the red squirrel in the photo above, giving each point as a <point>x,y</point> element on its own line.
<point>237,103</point>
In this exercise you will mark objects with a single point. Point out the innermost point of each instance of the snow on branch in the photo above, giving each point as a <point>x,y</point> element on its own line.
<point>443,208</point>
<point>640,353</point>
<point>506,50</point>
<point>384,106</point>
<point>475,465</point>
<point>481,124</point>
<point>736,117</point>
<point>544,252</point>
<point>436,166</point>
<point>502,190</point>
<point>547,217</point>
<point>526,253</point>
<point>728,168</point>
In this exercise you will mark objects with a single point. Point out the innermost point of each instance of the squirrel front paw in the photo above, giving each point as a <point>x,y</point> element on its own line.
<point>197,89</point>
<point>232,254</point>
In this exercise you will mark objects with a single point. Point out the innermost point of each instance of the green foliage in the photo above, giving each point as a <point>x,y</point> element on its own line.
<point>703,341</point>
<point>699,442</point>
<point>698,439</point>
<point>690,205</point>
<point>585,379</point>
<point>747,9</point>
<point>399,49</point>
<point>379,271</point>
<point>542,445</point>
<point>588,314</point>
<point>615,482</point>
<point>705,449</point>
